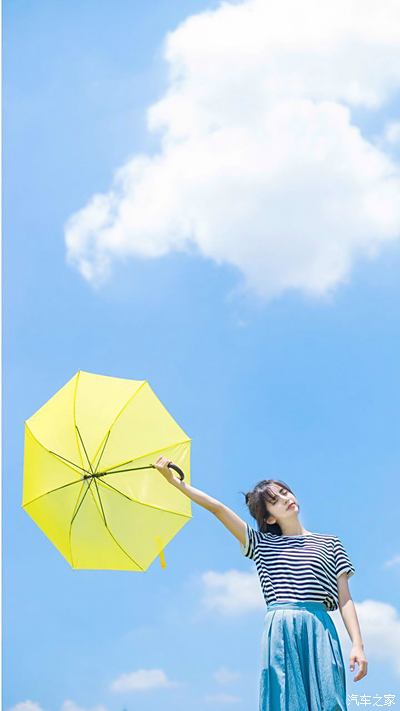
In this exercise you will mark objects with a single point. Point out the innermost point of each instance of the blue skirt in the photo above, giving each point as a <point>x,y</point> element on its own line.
<point>302,664</point>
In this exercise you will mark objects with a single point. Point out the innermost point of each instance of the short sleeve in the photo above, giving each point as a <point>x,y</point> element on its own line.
<point>342,560</point>
<point>252,539</point>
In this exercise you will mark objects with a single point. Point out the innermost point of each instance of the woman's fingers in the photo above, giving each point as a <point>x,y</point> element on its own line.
<point>162,465</point>
<point>362,665</point>
<point>162,460</point>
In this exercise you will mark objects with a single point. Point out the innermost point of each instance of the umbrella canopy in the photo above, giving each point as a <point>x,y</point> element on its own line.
<point>89,479</point>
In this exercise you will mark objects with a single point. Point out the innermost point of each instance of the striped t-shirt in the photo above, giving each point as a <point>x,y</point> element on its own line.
<point>300,567</point>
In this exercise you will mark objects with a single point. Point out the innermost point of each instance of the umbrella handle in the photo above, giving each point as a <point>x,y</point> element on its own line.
<point>177,469</point>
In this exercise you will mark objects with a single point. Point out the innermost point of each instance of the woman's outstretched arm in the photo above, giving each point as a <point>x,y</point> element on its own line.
<point>229,518</point>
<point>196,495</point>
<point>204,500</point>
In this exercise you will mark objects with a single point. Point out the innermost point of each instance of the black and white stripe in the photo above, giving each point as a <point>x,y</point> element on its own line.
<point>303,567</point>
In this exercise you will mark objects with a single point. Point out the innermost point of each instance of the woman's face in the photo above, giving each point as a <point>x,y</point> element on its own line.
<point>280,509</point>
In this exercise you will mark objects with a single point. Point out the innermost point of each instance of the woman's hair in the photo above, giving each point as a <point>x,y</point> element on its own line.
<point>257,499</point>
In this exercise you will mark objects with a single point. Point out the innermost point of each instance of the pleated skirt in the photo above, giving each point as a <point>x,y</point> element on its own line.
<point>302,667</point>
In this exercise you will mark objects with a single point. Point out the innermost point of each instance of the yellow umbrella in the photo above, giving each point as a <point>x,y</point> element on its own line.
<point>89,479</point>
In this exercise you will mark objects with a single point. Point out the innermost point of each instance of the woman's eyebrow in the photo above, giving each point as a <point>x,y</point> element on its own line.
<point>281,489</point>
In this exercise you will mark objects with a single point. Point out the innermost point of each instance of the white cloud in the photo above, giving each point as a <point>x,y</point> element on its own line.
<point>392,561</point>
<point>231,593</point>
<point>224,675</point>
<point>142,680</point>
<point>260,165</point>
<point>69,705</point>
<point>220,698</point>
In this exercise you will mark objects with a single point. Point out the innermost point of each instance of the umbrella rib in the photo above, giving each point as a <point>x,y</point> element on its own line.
<point>132,469</point>
<point>113,537</point>
<point>73,516</point>
<point>101,503</point>
<point>51,491</point>
<point>74,415</point>
<point>76,503</point>
<point>83,445</point>
<point>118,491</point>
<point>77,481</point>
<point>98,463</point>
<point>68,460</point>
<point>104,517</point>
<point>123,549</point>
<point>55,454</point>
<point>136,501</point>
<point>162,449</point>
<point>81,502</point>
<point>123,408</point>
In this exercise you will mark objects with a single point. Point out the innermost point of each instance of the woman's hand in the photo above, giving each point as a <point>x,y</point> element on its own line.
<point>161,465</point>
<point>357,655</point>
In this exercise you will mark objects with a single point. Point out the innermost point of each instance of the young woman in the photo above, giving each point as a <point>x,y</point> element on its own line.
<point>303,575</point>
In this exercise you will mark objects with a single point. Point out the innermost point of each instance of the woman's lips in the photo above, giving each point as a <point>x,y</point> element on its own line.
<point>290,505</point>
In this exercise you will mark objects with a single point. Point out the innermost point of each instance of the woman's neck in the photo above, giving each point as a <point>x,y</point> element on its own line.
<point>293,529</point>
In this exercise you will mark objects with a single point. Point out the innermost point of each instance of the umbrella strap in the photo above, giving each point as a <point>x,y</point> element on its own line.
<point>161,552</point>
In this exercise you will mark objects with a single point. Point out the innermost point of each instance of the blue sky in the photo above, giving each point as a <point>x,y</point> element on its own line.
<point>298,385</point>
